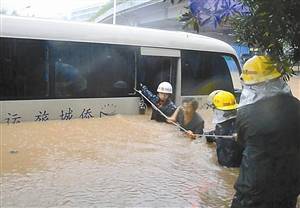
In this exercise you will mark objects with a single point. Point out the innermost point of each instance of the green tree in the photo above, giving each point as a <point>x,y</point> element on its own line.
<point>273,26</point>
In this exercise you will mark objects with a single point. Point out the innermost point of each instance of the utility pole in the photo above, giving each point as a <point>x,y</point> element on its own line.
<point>115,10</point>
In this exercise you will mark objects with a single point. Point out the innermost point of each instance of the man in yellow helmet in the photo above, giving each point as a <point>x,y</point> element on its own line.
<point>268,127</point>
<point>224,105</point>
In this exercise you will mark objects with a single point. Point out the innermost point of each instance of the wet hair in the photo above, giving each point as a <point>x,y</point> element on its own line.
<point>191,100</point>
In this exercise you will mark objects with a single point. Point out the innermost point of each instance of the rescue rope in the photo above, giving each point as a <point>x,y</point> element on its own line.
<point>178,125</point>
<point>156,108</point>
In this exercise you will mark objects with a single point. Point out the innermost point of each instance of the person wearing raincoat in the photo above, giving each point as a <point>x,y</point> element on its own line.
<point>268,127</point>
<point>162,100</point>
<point>229,152</point>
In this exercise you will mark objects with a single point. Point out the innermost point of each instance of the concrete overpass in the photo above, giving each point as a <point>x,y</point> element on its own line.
<point>158,14</point>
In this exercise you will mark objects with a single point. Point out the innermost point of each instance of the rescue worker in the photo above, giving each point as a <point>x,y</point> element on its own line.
<point>188,118</point>
<point>268,126</point>
<point>162,100</point>
<point>224,105</point>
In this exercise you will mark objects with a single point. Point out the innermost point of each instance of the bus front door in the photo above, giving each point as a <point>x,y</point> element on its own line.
<point>156,66</point>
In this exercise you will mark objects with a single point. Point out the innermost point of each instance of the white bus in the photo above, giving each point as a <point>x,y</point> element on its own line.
<point>63,70</point>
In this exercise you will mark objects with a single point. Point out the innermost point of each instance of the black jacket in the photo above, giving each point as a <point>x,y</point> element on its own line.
<point>229,152</point>
<point>269,130</point>
<point>168,109</point>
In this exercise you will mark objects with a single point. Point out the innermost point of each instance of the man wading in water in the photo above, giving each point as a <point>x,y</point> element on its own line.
<point>162,101</point>
<point>188,118</point>
<point>268,127</point>
<point>224,107</point>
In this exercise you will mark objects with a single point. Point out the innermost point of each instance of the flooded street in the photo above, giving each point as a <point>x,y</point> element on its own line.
<point>114,161</point>
<point>117,161</point>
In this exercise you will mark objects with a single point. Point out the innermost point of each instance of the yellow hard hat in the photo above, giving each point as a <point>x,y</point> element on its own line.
<point>259,69</point>
<point>211,97</point>
<point>224,100</point>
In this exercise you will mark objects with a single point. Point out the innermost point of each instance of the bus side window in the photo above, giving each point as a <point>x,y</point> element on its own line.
<point>23,69</point>
<point>112,70</point>
<point>70,63</point>
<point>92,69</point>
<point>203,72</point>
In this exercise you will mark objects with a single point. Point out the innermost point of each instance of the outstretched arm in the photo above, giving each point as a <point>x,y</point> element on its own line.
<point>153,98</point>
<point>191,134</point>
<point>173,117</point>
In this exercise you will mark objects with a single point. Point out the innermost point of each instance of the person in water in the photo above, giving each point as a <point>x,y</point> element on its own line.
<point>224,106</point>
<point>267,126</point>
<point>162,101</point>
<point>187,117</point>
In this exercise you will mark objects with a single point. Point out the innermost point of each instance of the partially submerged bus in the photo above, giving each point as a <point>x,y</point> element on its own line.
<point>63,70</point>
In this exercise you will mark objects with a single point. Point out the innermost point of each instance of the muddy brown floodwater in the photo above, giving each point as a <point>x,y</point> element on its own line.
<point>109,162</point>
<point>118,161</point>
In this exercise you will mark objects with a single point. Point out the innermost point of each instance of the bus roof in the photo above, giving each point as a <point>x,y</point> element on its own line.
<point>34,28</point>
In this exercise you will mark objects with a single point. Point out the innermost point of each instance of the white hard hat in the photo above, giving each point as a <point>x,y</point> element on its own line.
<point>165,87</point>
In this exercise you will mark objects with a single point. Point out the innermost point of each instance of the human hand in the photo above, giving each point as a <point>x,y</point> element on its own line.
<point>191,134</point>
<point>179,108</point>
<point>169,120</point>
<point>143,87</point>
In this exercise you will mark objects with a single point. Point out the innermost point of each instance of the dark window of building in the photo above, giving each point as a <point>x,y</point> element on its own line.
<point>24,70</point>
<point>204,72</point>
